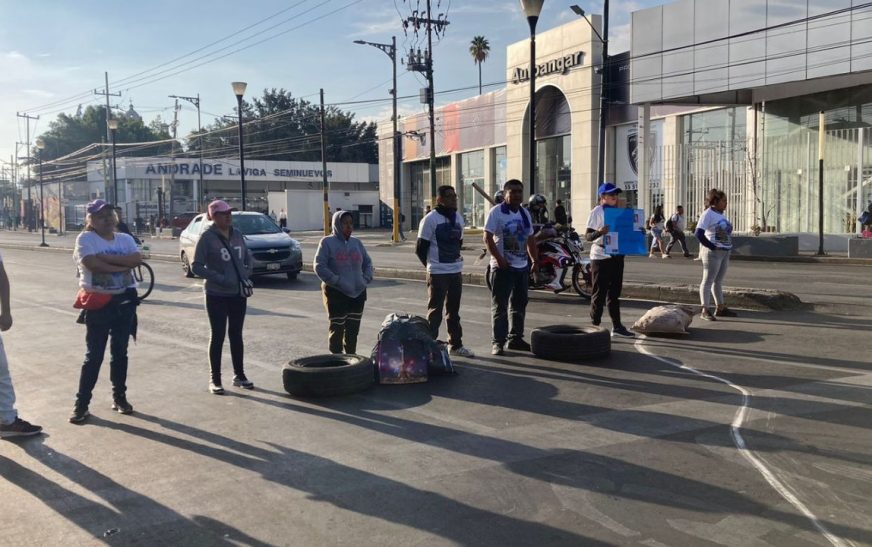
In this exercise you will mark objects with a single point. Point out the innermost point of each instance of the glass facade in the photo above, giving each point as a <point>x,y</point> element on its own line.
<point>472,172</point>
<point>500,168</point>
<point>553,164</point>
<point>419,172</point>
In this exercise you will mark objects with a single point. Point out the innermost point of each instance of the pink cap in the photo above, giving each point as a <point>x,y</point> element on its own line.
<point>218,206</point>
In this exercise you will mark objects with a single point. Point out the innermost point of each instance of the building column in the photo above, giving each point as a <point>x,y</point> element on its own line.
<point>642,157</point>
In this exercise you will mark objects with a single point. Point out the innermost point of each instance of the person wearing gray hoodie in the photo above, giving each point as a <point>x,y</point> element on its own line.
<point>345,269</point>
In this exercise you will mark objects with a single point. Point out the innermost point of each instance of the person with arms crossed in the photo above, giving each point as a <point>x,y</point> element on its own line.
<point>440,237</point>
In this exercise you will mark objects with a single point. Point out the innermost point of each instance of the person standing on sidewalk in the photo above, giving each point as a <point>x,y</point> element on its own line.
<point>224,261</point>
<point>656,225</point>
<point>10,424</point>
<point>105,260</point>
<point>440,237</point>
<point>345,269</point>
<point>675,226</point>
<point>508,230</point>
<point>715,234</point>
<point>607,271</point>
<point>283,219</point>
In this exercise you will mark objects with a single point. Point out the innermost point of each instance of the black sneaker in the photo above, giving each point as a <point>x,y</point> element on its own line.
<point>596,322</point>
<point>121,405</point>
<point>621,330</point>
<point>79,414</point>
<point>707,315</point>
<point>725,312</point>
<point>518,344</point>
<point>18,428</point>
<point>243,382</point>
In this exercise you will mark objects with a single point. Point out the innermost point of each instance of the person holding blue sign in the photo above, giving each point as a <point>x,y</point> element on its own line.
<point>607,271</point>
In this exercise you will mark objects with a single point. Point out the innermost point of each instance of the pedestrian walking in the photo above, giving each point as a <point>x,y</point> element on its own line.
<point>107,296</point>
<point>283,219</point>
<point>440,237</point>
<point>345,269</point>
<point>11,425</point>
<point>657,225</point>
<point>224,261</point>
<point>607,271</point>
<point>675,227</point>
<point>508,230</point>
<point>560,213</point>
<point>715,234</point>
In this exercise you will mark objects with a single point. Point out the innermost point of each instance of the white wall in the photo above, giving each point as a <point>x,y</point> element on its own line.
<point>305,207</point>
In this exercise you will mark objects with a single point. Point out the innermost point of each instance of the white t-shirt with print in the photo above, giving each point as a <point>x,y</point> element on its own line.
<point>595,221</point>
<point>510,235</point>
<point>443,256</point>
<point>717,228</point>
<point>89,243</point>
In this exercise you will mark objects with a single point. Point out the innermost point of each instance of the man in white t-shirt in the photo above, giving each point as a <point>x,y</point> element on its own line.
<point>607,271</point>
<point>508,230</point>
<point>675,227</point>
<point>10,424</point>
<point>440,237</point>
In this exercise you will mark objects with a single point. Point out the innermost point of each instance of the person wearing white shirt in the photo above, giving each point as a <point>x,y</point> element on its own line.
<point>715,235</point>
<point>675,227</point>
<point>440,237</point>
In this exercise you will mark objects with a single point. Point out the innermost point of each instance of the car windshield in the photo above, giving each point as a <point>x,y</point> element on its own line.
<point>255,224</point>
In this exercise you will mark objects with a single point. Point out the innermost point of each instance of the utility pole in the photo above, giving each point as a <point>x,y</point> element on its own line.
<point>325,182</point>
<point>28,213</point>
<point>425,64</point>
<point>107,94</point>
<point>198,190</point>
<point>173,156</point>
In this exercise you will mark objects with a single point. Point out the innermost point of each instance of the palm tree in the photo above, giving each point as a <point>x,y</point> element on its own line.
<point>479,48</point>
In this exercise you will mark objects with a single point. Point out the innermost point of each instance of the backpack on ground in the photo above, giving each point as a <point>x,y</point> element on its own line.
<point>406,352</point>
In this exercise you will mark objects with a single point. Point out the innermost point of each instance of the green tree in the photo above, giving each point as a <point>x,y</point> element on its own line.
<point>280,127</point>
<point>479,48</point>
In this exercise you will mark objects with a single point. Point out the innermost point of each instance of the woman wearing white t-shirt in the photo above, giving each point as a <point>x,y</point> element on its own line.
<point>715,235</point>
<point>105,259</point>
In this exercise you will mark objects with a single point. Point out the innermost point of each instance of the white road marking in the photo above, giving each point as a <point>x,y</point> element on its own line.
<point>739,441</point>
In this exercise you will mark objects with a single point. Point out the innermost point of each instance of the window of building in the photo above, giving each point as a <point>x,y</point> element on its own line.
<point>419,172</point>
<point>500,167</point>
<point>472,172</point>
<point>554,163</point>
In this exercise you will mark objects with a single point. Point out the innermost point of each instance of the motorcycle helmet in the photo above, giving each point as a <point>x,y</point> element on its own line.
<point>536,201</point>
<point>499,197</point>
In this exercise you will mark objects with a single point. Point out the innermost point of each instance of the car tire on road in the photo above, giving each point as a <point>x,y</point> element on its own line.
<point>186,265</point>
<point>292,276</point>
<point>328,375</point>
<point>570,343</point>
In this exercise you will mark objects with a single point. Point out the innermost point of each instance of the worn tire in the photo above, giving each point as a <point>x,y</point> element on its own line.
<point>570,343</point>
<point>327,375</point>
<point>186,265</point>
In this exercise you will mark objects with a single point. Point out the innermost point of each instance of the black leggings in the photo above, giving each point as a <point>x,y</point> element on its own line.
<point>221,311</point>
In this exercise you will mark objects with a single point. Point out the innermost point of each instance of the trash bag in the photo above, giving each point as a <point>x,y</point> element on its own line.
<point>669,319</point>
<point>406,352</point>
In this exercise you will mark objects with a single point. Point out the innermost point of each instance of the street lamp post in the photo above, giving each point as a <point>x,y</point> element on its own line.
<point>239,91</point>
<point>532,9</point>
<point>604,85</point>
<point>391,51</point>
<point>40,145</point>
<point>113,128</point>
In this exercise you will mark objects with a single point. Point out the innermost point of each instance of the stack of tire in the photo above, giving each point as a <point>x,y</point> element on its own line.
<point>328,375</point>
<point>570,343</point>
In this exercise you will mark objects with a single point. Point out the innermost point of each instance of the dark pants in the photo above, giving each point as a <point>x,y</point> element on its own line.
<point>509,288</point>
<point>679,237</point>
<point>344,314</point>
<point>113,324</point>
<point>445,289</point>
<point>226,316</point>
<point>607,278</point>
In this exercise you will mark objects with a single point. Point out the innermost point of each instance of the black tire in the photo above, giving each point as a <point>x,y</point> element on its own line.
<point>144,276</point>
<point>328,375</point>
<point>292,275</point>
<point>570,343</point>
<point>186,266</point>
<point>581,280</point>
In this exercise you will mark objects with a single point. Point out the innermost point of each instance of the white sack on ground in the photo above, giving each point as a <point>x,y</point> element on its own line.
<point>669,319</point>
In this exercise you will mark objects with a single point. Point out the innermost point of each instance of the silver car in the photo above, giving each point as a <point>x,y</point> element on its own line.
<point>274,250</point>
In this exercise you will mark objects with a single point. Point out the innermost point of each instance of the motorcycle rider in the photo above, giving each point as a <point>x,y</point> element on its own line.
<point>544,230</point>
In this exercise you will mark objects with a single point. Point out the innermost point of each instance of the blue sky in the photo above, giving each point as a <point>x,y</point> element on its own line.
<point>57,51</point>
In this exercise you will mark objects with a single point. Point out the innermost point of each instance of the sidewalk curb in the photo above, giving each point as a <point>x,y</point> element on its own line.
<point>737,297</point>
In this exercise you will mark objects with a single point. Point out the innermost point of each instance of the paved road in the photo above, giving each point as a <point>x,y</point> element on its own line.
<point>631,449</point>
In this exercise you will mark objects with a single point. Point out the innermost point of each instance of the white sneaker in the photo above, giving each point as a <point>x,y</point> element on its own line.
<point>461,352</point>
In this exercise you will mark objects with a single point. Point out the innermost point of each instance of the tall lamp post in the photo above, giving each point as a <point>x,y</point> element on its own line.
<point>391,51</point>
<point>532,9</point>
<point>113,128</point>
<point>604,85</point>
<point>40,145</point>
<point>239,91</point>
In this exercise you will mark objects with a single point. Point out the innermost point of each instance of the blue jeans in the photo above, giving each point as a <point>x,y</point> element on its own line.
<point>509,296</point>
<point>112,323</point>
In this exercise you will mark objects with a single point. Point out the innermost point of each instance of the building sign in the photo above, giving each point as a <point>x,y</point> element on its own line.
<point>627,152</point>
<point>561,65</point>
<point>218,169</point>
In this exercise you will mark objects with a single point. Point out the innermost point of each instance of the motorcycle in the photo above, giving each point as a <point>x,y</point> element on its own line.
<point>559,256</point>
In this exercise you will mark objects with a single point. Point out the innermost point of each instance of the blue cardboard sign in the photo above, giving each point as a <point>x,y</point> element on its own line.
<point>626,232</point>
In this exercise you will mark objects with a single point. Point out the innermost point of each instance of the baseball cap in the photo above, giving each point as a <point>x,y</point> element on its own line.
<point>218,206</point>
<point>96,206</point>
<point>608,188</point>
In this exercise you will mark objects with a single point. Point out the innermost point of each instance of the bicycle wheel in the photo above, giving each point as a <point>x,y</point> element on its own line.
<point>144,276</point>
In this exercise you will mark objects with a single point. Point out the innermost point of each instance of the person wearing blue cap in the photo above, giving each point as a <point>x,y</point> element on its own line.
<point>607,271</point>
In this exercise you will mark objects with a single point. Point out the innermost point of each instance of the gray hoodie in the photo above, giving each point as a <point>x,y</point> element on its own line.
<point>212,261</point>
<point>343,264</point>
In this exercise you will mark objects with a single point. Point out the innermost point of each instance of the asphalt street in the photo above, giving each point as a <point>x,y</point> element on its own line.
<point>749,431</point>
